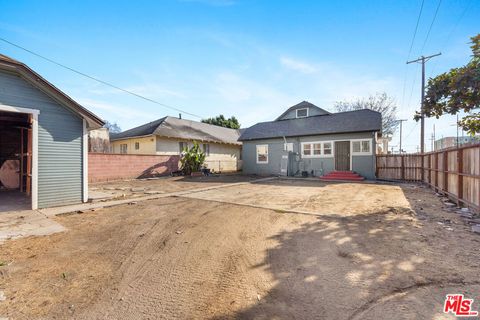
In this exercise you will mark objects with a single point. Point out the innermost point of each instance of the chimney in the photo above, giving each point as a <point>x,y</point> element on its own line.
<point>180,116</point>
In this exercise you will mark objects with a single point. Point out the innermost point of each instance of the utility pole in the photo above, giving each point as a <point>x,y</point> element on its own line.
<point>401,121</point>
<point>422,60</point>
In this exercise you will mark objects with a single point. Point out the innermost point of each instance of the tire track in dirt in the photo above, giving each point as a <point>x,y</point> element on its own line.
<point>409,290</point>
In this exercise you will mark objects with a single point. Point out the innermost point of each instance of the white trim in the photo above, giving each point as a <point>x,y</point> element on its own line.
<point>256,153</point>
<point>296,112</point>
<point>35,161</point>
<point>361,153</point>
<point>4,107</point>
<point>321,155</point>
<point>34,113</point>
<point>85,161</point>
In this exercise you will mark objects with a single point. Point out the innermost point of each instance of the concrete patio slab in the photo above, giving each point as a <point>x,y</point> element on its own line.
<point>26,223</point>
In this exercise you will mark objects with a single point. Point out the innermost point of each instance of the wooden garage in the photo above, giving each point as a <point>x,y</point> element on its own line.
<point>43,141</point>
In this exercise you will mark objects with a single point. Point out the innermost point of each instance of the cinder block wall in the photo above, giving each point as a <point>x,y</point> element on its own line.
<point>107,167</point>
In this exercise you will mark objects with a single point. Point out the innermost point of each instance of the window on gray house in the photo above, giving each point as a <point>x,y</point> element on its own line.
<point>302,113</point>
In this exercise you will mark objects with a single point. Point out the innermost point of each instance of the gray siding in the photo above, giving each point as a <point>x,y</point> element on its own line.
<point>292,114</point>
<point>59,142</point>
<point>364,165</point>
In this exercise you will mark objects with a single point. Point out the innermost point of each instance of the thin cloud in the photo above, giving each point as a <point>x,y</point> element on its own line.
<point>297,65</point>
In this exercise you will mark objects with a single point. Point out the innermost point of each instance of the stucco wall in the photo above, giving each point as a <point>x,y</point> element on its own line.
<point>222,157</point>
<point>364,165</point>
<point>146,145</point>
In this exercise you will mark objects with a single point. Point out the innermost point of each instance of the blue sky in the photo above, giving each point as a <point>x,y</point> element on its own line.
<point>251,59</point>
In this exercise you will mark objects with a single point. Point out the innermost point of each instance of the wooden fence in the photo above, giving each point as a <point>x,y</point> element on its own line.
<point>454,171</point>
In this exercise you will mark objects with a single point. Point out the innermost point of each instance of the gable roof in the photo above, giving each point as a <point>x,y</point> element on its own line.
<point>12,65</point>
<point>182,129</point>
<point>341,122</point>
<point>302,105</point>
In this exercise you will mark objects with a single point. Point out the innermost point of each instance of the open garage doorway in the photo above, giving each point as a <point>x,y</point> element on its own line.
<point>16,146</point>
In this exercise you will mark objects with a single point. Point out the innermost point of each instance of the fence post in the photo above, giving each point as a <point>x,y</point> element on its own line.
<point>460,174</point>
<point>402,169</point>
<point>436,172</point>
<point>445,171</point>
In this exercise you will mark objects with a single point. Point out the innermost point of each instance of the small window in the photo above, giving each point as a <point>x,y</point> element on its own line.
<point>317,149</point>
<point>327,148</point>
<point>361,146</point>
<point>307,149</point>
<point>356,146</point>
<point>288,147</point>
<point>123,148</point>
<point>182,146</point>
<point>262,153</point>
<point>137,145</point>
<point>206,149</point>
<point>302,113</point>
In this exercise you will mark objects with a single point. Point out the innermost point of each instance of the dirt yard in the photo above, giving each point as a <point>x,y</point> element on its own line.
<point>324,251</point>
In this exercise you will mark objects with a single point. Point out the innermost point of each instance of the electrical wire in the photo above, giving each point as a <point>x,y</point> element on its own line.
<point>99,80</point>
<point>450,34</point>
<point>431,25</point>
<point>410,51</point>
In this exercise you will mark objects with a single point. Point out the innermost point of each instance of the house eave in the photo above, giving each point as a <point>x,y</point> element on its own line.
<point>49,89</point>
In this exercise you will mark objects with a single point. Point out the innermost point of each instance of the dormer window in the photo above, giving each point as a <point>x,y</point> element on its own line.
<point>302,113</point>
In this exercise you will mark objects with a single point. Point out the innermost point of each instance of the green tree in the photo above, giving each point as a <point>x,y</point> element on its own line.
<point>380,102</point>
<point>457,90</point>
<point>192,159</point>
<point>221,121</point>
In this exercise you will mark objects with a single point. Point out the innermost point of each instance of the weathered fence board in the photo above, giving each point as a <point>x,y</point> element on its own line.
<point>454,172</point>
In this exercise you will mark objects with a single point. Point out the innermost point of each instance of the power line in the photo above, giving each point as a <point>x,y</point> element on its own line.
<point>431,25</point>
<point>98,80</point>
<point>410,50</point>
<point>416,29</point>
<point>434,66</point>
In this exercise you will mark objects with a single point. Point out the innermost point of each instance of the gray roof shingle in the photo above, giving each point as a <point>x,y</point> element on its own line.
<point>341,122</point>
<point>182,129</point>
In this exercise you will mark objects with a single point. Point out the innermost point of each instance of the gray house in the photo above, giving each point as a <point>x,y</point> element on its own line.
<point>310,140</point>
<point>43,141</point>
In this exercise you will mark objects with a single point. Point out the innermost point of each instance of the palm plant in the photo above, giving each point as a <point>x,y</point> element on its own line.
<point>192,159</point>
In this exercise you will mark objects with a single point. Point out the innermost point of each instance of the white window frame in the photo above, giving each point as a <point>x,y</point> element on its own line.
<point>288,146</point>
<point>256,153</point>
<point>296,113</point>
<point>126,148</point>
<point>361,153</point>
<point>206,149</point>
<point>137,145</point>
<point>322,154</point>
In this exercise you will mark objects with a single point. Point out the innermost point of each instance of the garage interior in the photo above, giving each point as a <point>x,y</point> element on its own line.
<point>15,161</point>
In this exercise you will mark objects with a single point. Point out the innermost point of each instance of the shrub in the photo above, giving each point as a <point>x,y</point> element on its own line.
<point>192,159</point>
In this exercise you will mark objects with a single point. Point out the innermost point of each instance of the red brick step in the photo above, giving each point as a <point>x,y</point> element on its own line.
<point>342,176</point>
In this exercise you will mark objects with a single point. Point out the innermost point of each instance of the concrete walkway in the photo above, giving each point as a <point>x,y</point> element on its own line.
<point>26,223</point>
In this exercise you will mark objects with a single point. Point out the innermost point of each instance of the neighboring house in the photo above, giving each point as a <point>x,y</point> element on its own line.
<point>45,133</point>
<point>169,136</point>
<point>306,138</point>
<point>99,140</point>
<point>449,142</point>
